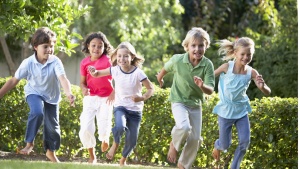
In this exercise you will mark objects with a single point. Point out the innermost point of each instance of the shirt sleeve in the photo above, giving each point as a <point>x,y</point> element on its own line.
<point>142,76</point>
<point>22,71</point>
<point>169,65</point>
<point>59,68</point>
<point>209,78</point>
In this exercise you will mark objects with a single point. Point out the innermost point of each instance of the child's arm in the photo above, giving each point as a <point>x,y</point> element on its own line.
<point>99,73</point>
<point>260,83</point>
<point>160,77</point>
<point>84,89</point>
<point>205,88</point>
<point>111,98</point>
<point>148,94</point>
<point>222,68</point>
<point>10,84</point>
<point>66,85</point>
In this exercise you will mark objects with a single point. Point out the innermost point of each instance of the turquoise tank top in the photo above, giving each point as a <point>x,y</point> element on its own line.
<point>234,102</point>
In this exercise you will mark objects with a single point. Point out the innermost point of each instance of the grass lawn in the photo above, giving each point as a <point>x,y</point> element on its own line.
<point>16,164</point>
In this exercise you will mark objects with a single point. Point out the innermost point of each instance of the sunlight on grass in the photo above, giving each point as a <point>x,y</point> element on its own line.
<point>13,164</point>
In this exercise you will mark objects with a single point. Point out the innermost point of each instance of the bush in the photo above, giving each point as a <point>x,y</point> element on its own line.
<point>274,129</point>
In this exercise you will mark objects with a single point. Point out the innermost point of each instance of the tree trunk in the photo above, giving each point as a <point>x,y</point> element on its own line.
<point>11,64</point>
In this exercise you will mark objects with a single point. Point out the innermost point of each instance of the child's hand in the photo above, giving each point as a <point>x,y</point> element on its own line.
<point>259,81</point>
<point>160,81</point>
<point>111,98</point>
<point>85,91</point>
<point>198,81</point>
<point>137,98</point>
<point>72,100</point>
<point>92,71</point>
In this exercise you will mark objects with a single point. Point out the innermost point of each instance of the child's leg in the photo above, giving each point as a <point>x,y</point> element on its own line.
<point>52,156</point>
<point>51,127</point>
<point>26,150</point>
<point>172,153</point>
<point>243,129</point>
<point>133,125</point>
<point>87,122</point>
<point>93,158</point>
<point>112,151</point>
<point>104,146</point>
<point>35,119</point>
<point>104,122</point>
<point>225,133</point>
<point>122,161</point>
<point>180,166</point>
<point>180,131</point>
<point>191,146</point>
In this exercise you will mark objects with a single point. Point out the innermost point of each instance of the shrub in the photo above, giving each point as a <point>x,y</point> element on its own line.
<point>274,130</point>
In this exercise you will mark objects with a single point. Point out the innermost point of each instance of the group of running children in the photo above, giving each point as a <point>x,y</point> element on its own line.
<point>194,76</point>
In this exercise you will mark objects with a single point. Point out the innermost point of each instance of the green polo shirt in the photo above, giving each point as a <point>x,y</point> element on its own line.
<point>184,90</point>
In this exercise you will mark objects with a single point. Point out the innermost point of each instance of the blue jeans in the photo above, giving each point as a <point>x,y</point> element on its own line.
<point>129,122</point>
<point>225,133</point>
<point>43,112</point>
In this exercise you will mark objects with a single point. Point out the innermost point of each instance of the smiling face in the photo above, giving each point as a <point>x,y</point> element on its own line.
<point>243,55</point>
<point>124,59</point>
<point>196,49</point>
<point>44,50</point>
<point>96,48</point>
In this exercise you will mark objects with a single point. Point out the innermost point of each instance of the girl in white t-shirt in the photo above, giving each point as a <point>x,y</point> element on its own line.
<point>129,100</point>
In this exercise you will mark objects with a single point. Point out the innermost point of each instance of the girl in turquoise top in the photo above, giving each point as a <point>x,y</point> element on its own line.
<point>234,104</point>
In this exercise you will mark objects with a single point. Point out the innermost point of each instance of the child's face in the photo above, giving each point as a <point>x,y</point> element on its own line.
<point>124,58</point>
<point>243,55</point>
<point>96,48</point>
<point>44,51</point>
<point>196,49</point>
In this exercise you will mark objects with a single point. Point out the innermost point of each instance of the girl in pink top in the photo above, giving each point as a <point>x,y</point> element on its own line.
<point>98,94</point>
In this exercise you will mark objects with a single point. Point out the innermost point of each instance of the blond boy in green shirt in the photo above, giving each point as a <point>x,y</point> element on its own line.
<point>193,77</point>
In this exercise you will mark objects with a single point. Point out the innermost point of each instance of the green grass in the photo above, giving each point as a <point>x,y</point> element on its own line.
<point>15,164</point>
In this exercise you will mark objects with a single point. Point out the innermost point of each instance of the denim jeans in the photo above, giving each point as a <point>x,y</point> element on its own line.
<point>40,113</point>
<point>225,134</point>
<point>129,122</point>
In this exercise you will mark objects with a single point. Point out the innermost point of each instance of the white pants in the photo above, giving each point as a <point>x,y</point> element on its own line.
<point>187,130</point>
<point>95,106</point>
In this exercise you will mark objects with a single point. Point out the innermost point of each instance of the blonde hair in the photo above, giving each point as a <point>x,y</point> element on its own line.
<point>193,34</point>
<point>137,60</point>
<point>228,48</point>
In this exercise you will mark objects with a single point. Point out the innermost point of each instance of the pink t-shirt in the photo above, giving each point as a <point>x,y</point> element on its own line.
<point>101,86</point>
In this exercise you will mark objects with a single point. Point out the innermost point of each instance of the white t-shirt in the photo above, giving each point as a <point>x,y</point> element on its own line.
<point>126,86</point>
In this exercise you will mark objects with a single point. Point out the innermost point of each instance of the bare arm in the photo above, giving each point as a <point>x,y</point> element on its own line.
<point>84,89</point>
<point>150,91</point>
<point>260,83</point>
<point>65,83</point>
<point>222,68</point>
<point>205,88</point>
<point>10,84</point>
<point>160,77</point>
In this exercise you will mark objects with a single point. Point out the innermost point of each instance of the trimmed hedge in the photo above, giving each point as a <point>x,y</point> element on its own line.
<point>274,131</point>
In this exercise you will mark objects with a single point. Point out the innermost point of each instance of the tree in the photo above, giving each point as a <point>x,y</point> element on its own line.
<point>153,27</point>
<point>277,55</point>
<point>20,18</point>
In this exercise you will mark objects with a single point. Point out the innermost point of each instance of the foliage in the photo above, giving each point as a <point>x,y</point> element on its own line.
<point>276,57</point>
<point>229,18</point>
<point>273,130</point>
<point>152,27</point>
<point>21,18</point>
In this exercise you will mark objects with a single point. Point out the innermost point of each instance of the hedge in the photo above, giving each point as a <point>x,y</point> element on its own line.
<point>274,131</point>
